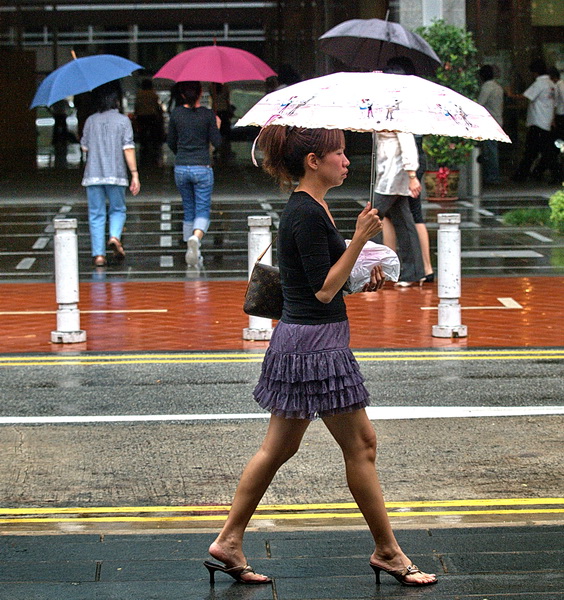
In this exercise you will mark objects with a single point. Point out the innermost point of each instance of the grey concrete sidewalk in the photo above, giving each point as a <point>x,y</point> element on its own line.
<point>508,563</point>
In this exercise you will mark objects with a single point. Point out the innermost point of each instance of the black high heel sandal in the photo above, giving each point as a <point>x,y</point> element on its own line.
<point>401,574</point>
<point>235,572</point>
<point>428,278</point>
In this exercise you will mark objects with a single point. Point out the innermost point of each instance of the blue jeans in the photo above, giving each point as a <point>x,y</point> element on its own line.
<point>97,195</point>
<point>195,185</point>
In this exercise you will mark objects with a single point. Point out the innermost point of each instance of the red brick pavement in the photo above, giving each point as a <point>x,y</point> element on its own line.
<point>207,315</point>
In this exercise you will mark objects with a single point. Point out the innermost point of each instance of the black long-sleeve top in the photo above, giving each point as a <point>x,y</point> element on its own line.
<point>308,245</point>
<point>190,133</point>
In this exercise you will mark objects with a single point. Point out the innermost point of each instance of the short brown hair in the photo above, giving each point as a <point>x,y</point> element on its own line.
<point>285,149</point>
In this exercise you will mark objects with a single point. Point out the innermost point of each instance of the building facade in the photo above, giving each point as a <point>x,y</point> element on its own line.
<point>36,36</point>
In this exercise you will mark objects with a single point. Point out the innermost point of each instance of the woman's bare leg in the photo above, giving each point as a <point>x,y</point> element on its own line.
<point>389,237</point>
<point>356,437</point>
<point>423,235</point>
<point>389,234</point>
<point>281,442</point>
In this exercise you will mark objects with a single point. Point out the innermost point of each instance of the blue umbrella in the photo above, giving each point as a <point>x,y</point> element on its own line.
<point>81,75</point>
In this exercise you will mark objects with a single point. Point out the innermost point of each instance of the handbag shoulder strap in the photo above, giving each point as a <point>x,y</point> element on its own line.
<point>266,250</point>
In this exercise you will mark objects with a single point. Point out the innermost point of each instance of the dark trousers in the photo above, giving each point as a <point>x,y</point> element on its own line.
<point>408,247</point>
<point>538,142</point>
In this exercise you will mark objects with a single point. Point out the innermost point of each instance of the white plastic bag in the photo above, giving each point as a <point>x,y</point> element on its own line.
<point>371,255</point>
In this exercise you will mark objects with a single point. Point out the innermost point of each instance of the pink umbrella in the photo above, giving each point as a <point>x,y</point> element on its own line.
<point>219,64</point>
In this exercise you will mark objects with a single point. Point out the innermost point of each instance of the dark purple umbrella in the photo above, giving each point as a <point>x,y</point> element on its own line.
<point>368,44</point>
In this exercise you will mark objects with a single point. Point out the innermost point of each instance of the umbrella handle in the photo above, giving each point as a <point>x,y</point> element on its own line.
<point>373,169</point>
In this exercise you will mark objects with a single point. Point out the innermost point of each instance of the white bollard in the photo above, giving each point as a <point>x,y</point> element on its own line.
<point>449,278</point>
<point>66,283</point>
<point>260,237</point>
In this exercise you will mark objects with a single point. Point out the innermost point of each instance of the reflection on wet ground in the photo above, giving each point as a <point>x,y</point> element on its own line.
<point>153,235</point>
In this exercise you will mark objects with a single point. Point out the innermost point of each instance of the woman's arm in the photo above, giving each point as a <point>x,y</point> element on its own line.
<point>215,135</point>
<point>368,224</point>
<point>131,161</point>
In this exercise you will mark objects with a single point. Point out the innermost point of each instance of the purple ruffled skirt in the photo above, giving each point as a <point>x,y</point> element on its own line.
<point>310,371</point>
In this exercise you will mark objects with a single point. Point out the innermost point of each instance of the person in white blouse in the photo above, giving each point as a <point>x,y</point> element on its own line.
<point>401,65</point>
<point>396,180</point>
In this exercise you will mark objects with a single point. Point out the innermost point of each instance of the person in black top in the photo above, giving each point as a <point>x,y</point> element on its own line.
<point>309,370</point>
<point>192,128</point>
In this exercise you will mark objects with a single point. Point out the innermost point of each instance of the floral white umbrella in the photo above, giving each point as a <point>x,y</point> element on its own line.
<point>374,102</point>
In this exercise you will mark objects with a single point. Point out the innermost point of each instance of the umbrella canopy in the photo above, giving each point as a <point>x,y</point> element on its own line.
<point>82,75</point>
<point>375,102</point>
<point>370,43</point>
<point>218,64</point>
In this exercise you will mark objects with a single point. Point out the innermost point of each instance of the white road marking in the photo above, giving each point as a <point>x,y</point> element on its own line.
<point>538,236</point>
<point>506,303</point>
<point>375,413</point>
<point>510,303</point>
<point>166,241</point>
<point>500,254</point>
<point>25,263</point>
<point>482,211</point>
<point>167,261</point>
<point>41,243</point>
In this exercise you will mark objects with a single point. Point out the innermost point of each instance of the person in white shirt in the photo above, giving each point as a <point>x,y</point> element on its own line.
<point>396,180</point>
<point>401,65</point>
<point>540,115</point>
<point>491,98</point>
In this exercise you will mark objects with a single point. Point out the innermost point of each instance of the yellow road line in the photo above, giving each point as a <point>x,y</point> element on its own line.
<point>276,516</point>
<point>283,507</point>
<point>223,357</point>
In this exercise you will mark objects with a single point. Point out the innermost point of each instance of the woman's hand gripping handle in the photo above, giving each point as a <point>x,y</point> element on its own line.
<point>368,224</point>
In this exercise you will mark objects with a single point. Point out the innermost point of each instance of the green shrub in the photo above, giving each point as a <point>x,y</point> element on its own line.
<point>556,204</point>
<point>527,216</point>
<point>552,216</point>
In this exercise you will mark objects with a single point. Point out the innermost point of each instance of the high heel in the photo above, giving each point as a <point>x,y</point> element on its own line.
<point>430,278</point>
<point>235,572</point>
<point>401,574</point>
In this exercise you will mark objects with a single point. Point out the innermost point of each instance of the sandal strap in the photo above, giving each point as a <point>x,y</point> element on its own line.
<point>241,570</point>
<point>409,570</point>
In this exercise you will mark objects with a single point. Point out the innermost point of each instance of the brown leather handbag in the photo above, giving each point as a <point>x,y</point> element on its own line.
<point>263,297</point>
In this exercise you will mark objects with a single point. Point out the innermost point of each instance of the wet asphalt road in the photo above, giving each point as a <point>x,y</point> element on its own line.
<point>199,461</point>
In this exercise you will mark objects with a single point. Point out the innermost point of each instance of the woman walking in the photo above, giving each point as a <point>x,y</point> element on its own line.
<point>108,141</point>
<point>191,130</point>
<point>309,370</point>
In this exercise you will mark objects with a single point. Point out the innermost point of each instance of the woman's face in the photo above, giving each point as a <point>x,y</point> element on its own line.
<point>333,167</point>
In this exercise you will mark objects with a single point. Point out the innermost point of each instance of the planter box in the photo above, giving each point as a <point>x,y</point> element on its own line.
<point>441,186</point>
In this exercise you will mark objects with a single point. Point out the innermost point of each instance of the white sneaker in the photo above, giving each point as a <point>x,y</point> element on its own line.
<point>193,252</point>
